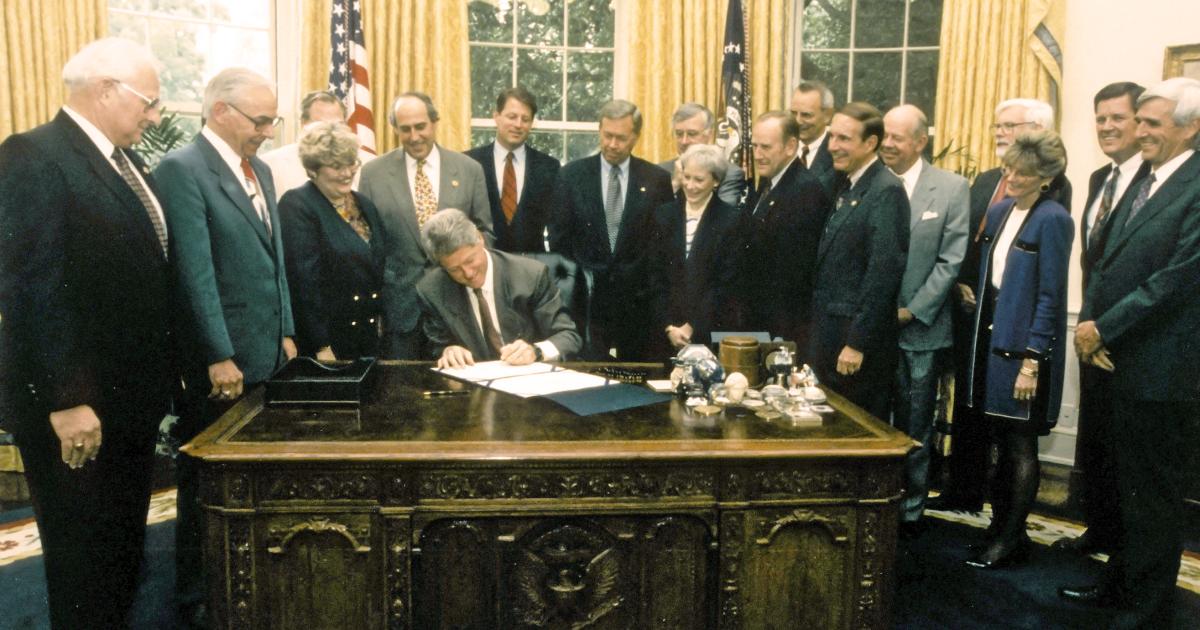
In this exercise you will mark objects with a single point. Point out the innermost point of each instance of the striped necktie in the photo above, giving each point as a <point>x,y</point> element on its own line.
<point>143,195</point>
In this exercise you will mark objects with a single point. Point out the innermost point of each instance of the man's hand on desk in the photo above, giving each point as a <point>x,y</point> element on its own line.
<point>518,353</point>
<point>226,380</point>
<point>679,336</point>
<point>455,357</point>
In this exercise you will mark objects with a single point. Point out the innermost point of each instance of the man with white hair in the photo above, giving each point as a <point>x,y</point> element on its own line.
<point>86,362</point>
<point>286,169</point>
<point>967,464</point>
<point>692,124</point>
<point>220,204</point>
<point>1138,322</point>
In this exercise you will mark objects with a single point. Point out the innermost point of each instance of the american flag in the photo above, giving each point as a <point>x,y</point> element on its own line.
<point>735,80</point>
<point>348,70</point>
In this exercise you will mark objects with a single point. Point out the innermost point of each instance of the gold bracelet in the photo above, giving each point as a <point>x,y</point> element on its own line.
<point>1029,372</point>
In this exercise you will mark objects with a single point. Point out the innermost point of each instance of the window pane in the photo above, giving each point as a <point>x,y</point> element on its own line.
<point>182,48</point>
<point>540,72</point>
<point>240,47</point>
<point>832,68</point>
<point>487,23</point>
<point>482,135</point>
<point>243,12</point>
<point>181,8</point>
<point>827,24</point>
<point>877,79</point>
<point>589,84</point>
<point>924,22</point>
<point>548,142</point>
<point>879,24</point>
<point>127,26</point>
<point>921,85</point>
<point>591,23</point>
<point>540,22</point>
<point>581,144</point>
<point>491,73</point>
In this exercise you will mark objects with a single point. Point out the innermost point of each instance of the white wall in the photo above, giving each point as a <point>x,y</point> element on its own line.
<point>1105,41</point>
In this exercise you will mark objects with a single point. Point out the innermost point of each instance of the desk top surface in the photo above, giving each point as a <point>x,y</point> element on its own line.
<point>399,424</point>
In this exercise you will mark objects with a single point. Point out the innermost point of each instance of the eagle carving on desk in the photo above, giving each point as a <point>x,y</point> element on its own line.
<point>558,590</point>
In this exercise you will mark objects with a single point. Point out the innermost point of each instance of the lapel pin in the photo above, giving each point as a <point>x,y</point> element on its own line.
<point>145,170</point>
<point>454,183</point>
<point>642,188</point>
<point>853,203</point>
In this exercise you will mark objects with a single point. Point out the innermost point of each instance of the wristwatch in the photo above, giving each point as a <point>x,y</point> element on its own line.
<point>538,355</point>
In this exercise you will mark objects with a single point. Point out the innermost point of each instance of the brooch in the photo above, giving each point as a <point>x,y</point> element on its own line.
<point>454,183</point>
<point>643,189</point>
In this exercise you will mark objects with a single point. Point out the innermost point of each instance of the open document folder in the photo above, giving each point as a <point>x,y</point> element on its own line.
<point>584,394</point>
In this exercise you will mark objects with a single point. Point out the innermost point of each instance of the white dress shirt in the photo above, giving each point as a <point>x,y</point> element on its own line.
<point>856,175</point>
<point>1124,173</point>
<point>549,351</point>
<point>106,149</point>
<point>432,169</point>
<point>1004,241</point>
<point>499,154</point>
<point>910,177</point>
<point>813,147</point>
<point>1164,172</point>
<point>778,176</point>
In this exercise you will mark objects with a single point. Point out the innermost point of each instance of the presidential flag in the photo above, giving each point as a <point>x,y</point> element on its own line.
<point>735,85</point>
<point>348,70</point>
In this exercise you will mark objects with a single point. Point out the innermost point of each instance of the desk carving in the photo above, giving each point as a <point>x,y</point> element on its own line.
<point>488,511</point>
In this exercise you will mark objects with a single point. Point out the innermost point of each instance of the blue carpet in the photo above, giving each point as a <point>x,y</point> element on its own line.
<point>935,590</point>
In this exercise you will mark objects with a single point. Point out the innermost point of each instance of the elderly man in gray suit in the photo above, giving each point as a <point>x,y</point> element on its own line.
<point>940,204</point>
<point>409,185</point>
<point>694,123</point>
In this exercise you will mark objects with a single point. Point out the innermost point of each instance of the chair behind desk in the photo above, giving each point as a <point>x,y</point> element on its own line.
<point>575,286</point>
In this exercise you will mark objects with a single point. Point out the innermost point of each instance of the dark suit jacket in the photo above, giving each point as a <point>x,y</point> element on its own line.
<point>527,303</point>
<point>85,291</point>
<point>579,231</point>
<point>230,271</point>
<point>334,276</point>
<point>781,255</point>
<point>822,168</point>
<point>697,288</point>
<point>524,234</point>
<point>1144,292</point>
<point>860,263</point>
<point>385,182</point>
<point>1090,251</point>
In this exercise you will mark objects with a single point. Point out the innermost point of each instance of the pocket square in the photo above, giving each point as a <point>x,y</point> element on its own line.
<point>929,214</point>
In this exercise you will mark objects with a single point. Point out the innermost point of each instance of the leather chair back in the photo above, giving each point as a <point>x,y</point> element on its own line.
<point>575,286</point>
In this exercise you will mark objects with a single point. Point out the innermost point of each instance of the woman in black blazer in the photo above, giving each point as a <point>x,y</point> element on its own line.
<point>692,263</point>
<point>333,249</point>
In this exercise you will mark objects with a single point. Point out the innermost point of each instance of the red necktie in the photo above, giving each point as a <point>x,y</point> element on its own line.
<point>508,198</point>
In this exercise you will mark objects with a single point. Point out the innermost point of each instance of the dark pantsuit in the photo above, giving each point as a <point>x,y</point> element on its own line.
<point>913,411</point>
<point>96,567</point>
<point>1156,459</point>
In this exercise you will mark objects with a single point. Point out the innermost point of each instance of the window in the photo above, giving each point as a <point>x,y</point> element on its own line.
<point>884,52</point>
<point>560,50</point>
<point>194,39</point>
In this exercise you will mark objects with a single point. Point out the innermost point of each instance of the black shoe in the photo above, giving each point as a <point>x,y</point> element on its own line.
<point>951,503</point>
<point>1000,558</point>
<point>1085,544</point>
<point>1092,595</point>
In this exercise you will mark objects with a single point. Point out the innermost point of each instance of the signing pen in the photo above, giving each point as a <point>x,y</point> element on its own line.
<point>438,393</point>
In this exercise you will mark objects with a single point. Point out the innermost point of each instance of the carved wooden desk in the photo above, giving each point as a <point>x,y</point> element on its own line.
<point>489,511</point>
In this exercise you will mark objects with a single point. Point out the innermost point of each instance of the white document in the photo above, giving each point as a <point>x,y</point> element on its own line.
<point>492,370</point>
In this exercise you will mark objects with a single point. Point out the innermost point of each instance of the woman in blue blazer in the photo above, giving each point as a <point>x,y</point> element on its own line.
<point>333,250</point>
<point>691,261</point>
<point>1019,342</point>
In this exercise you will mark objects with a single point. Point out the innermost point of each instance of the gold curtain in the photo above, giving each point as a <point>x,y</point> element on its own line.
<point>411,45</point>
<point>36,39</point>
<point>992,50</point>
<point>677,53</point>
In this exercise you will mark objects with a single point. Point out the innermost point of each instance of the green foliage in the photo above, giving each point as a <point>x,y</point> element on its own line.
<point>160,139</point>
<point>967,166</point>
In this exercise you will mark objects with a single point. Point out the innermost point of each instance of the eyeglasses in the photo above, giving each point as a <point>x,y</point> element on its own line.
<point>341,168</point>
<point>1008,127</point>
<point>150,103</point>
<point>260,123</point>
